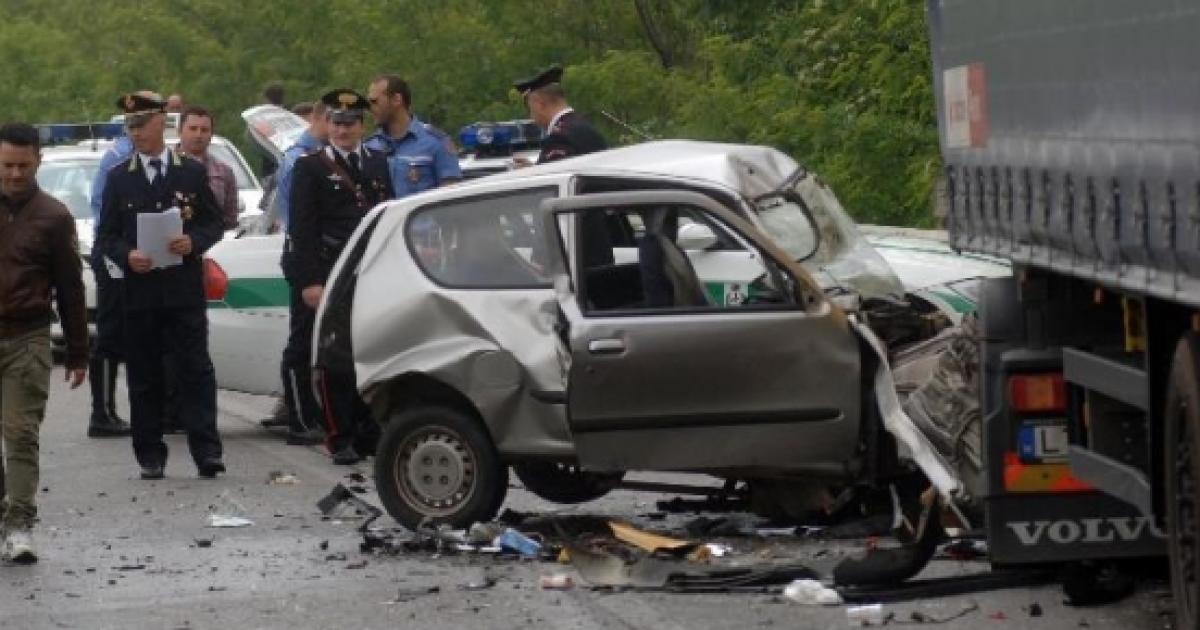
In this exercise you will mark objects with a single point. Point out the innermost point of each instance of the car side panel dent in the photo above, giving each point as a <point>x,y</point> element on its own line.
<point>459,338</point>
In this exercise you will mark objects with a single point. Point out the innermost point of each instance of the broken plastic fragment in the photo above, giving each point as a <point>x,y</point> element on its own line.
<point>645,540</point>
<point>219,520</point>
<point>811,592</point>
<point>868,615</point>
<point>514,540</point>
<point>280,478</point>
<point>557,582</point>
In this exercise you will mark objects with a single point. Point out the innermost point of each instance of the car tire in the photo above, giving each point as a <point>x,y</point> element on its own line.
<point>436,465</point>
<point>565,483</point>
<point>1182,488</point>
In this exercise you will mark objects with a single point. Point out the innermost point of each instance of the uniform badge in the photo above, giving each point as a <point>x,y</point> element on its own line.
<point>413,175</point>
<point>185,205</point>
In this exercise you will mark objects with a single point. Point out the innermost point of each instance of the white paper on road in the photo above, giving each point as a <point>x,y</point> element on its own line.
<point>154,233</point>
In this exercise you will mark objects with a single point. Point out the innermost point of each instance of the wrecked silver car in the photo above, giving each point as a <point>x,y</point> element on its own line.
<point>670,306</point>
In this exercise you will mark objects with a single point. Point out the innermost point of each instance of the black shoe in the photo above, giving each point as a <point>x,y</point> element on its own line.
<point>107,426</point>
<point>279,416</point>
<point>346,457</point>
<point>209,467</point>
<point>153,472</point>
<point>305,438</point>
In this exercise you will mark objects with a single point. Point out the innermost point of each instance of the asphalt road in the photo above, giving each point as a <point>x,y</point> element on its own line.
<point>118,552</point>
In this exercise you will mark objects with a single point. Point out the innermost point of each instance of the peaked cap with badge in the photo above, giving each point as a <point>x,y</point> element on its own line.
<point>139,106</point>
<point>550,75</point>
<point>569,133</point>
<point>345,105</point>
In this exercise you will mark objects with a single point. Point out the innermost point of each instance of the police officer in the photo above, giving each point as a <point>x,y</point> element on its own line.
<point>303,413</point>
<point>418,154</point>
<point>109,349</point>
<point>164,302</point>
<point>566,132</point>
<point>332,189</point>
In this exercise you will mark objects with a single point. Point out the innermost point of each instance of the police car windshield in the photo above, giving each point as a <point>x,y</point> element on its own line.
<point>245,179</point>
<point>70,181</point>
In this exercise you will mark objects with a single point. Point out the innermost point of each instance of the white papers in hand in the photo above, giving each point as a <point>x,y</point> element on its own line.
<point>154,233</point>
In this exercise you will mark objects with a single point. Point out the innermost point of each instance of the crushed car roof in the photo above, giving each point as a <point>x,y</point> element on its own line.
<point>752,170</point>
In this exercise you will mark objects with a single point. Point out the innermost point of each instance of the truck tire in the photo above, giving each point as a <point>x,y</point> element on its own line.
<point>565,483</point>
<point>1182,447</point>
<point>436,464</point>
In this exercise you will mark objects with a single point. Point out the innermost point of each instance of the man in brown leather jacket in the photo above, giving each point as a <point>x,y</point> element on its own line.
<point>39,257</point>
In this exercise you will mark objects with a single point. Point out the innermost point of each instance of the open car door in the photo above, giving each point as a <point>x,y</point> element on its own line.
<point>273,128</point>
<point>662,376</point>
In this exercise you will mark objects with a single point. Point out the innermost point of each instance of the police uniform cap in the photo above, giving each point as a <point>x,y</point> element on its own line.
<point>550,75</point>
<point>345,105</point>
<point>139,106</point>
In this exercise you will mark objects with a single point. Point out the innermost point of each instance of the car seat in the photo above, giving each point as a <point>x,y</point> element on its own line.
<point>668,277</point>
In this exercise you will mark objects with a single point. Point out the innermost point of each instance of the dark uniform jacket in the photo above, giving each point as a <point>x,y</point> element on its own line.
<point>571,135</point>
<point>127,194</point>
<point>39,258</point>
<point>327,202</point>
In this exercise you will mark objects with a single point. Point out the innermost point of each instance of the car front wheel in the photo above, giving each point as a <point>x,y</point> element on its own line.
<point>437,464</point>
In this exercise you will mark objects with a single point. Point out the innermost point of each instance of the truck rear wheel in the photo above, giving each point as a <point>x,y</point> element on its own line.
<point>1182,446</point>
<point>438,464</point>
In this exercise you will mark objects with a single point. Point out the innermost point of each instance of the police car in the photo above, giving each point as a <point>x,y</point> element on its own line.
<point>71,157</point>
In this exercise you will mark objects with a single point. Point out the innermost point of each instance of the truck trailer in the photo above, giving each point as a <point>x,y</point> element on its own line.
<point>1070,137</point>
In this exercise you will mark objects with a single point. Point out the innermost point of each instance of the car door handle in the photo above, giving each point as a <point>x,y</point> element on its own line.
<point>606,346</point>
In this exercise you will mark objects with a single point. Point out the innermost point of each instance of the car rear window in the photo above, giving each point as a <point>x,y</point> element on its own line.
<point>487,242</point>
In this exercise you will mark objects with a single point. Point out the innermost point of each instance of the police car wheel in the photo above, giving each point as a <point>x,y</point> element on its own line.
<point>1182,447</point>
<point>437,464</point>
<point>565,483</point>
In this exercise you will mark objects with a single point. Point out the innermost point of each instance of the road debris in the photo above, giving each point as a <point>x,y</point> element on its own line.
<point>222,521</point>
<point>344,503</point>
<point>868,615</point>
<point>647,541</point>
<point>480,580</point>
<point>280,478</point>
<point>811,592</point>
<point>409,594</point>
<point>557,582</point>
<point>514,540</point>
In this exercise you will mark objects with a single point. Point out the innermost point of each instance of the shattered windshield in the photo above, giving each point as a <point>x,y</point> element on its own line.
<point>841,251</point>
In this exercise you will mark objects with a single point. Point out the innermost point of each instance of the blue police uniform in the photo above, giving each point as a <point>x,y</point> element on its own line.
<point>418,160</point>
<point>108,349</point>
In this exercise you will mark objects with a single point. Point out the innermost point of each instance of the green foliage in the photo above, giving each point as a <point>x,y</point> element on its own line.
<point>842,85</point>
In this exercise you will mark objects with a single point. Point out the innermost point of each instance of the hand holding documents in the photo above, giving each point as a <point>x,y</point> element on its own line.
<point>154,233</point>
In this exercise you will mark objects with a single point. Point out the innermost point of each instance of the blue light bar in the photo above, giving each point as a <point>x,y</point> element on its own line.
<point>498,135</point>
<point>74,133</point>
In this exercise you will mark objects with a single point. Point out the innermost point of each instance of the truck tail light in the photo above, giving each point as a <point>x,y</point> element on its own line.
<point>216,283</point>
<point>1037,392</point>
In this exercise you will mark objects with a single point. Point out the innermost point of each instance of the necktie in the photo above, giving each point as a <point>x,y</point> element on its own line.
<point>156,164</point>
<point>355,172</point>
